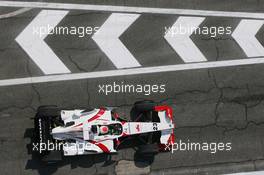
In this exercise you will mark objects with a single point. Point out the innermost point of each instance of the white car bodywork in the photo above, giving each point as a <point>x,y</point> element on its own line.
<point>81,133</point>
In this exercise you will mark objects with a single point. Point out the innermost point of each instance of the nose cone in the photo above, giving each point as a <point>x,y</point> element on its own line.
<point>58,130</point>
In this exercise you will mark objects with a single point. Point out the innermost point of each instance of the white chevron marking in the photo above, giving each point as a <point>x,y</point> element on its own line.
<point>181,41</point>
<point>107,38</point>
<point>35,46</point>
<point>244,34</point>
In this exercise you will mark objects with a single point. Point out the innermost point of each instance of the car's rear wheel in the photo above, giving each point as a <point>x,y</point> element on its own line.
<point>146,153</point>
<point>148,149</point>
<point>145,105</point>
<point>142,111</point>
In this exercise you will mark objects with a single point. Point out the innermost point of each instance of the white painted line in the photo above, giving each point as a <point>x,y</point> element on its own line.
<point>14,13</point>
<point>132,71</point>
<point>34,44</point>
<point>244,34</point>
<point>107,38</point>
<point>179,38</point>
<point>249,173</point>
<point>127,9</point>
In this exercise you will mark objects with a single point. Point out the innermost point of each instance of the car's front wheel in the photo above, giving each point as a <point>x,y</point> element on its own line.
<point>46,119</point>
<point>48,110</point>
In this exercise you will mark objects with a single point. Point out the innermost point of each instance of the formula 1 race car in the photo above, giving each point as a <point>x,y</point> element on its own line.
<point>102,130</point>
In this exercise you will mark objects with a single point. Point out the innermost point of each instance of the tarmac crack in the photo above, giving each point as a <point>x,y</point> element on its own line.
<point>223,99</point>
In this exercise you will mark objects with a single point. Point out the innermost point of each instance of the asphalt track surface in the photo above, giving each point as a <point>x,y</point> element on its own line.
<point>222,104</point>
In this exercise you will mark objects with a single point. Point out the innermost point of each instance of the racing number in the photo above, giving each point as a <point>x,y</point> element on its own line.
<point>155,126</point>
<point>137,127</point>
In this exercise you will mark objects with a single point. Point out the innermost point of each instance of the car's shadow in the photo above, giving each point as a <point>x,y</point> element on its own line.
<point>86,161</point>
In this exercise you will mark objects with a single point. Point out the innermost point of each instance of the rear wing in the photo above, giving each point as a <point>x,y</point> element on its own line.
<point>166,116</point>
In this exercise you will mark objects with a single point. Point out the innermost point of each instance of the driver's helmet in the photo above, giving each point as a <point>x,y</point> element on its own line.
<point>104,129</point>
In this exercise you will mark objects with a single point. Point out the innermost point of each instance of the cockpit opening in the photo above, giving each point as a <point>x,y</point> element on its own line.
<point>111,129</point>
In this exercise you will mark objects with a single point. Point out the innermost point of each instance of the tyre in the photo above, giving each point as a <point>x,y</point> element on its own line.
<point>148,149</point>
<point>145,105</point>
<point>45,120</point>
<point>50,110</point>
<point>52,157</point>
<point>143,160</point>
<point>142,111</point>
<point>43,129</point>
